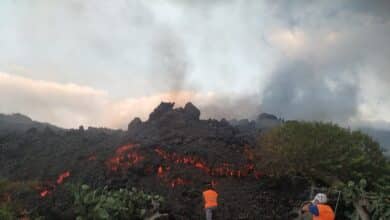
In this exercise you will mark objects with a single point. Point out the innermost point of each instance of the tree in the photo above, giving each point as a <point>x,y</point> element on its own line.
<point>327,153</point>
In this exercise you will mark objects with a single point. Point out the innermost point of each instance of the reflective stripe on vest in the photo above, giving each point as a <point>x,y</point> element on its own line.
<point>325,213</point>
<point>210,198</point>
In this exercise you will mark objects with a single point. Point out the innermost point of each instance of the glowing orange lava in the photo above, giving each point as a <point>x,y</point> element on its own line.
<point>44,193</point>
<point>124,148</point>
<point>187,160</point>
<point>224,169</point>
<point>60,179</point>
<point>160,171</point>
<point>63,176</point>
<point>125,157</point>
<point>178,181</point>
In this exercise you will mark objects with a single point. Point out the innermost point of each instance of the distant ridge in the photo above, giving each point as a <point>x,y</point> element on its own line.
<point>19,123</point>
<point>382,136</point>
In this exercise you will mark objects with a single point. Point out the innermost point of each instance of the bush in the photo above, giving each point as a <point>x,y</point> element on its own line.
<point>327,153</point>
<point>377,204</point>
<point>13,195</point>
<point>113,204</point>
<point>6,213</point>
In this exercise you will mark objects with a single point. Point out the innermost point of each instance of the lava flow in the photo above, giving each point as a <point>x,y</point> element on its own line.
<point>187,160</point>
<point>172,182</point>
<point>224,169</point>
<point>60,180</point>
<point>44,193</point>
<point>178,181</point>
<point>63,176</point>
<point>124,158</point>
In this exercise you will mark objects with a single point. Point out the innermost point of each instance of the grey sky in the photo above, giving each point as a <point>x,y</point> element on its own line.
<point>102,62</point>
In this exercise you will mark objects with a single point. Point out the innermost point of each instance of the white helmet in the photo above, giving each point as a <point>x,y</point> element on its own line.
<point>320,198</point>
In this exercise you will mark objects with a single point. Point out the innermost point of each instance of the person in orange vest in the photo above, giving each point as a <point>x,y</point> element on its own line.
<point>210,197</point>
<point>319,209</point>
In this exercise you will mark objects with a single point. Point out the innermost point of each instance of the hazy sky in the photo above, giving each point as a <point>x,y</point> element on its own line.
<point>101,63</point>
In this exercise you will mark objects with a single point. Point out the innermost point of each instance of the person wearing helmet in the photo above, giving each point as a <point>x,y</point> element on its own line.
<point>319,209</point>
<point>210,197</point>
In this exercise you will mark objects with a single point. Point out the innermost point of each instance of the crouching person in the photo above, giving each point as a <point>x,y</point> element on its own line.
<point>319,209</point>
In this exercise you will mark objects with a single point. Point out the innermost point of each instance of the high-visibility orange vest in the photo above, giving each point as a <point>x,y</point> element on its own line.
<point>325,213</point>
<point>210,198</point>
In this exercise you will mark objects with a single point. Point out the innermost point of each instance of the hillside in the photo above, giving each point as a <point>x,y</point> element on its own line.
<point>18,123</point>
<point>173,153</point>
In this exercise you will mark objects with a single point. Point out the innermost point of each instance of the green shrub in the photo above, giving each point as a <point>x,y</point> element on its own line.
<point>376,203</point>
<point>12,198</point>
<point>113,204</point>
<point>6,212</point>
<point>330,154</point>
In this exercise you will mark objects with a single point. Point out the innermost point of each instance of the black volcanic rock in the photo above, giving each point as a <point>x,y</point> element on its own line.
<point>263,116</point>
<point>134,124</point>
<point>191,111</point>
<point>245,125</point>
<point>267,121</point>
<point>248,129</point>
<point>192,145</point>
<point>41,154</point>
<point>177,117</point>
<point>181,126</point>
<point>161,110</point>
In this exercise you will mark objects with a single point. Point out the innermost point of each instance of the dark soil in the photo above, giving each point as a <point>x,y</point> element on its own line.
<point>174,154</point>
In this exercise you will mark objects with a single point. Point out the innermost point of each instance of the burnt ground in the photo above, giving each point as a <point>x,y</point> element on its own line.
<point>173,153</point>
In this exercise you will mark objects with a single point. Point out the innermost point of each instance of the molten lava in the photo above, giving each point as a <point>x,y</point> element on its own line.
<point>44,193</point>
<point>125,157</point>
<point>63,176</point>
<point>160,171</point>
<point>122,149</point>
<point>60,179</point>
<point>178,181</point>
<point>224,169</point>
<point>187,160</point>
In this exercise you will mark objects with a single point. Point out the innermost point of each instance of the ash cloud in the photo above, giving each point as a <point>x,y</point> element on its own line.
<point>297,91</point>
<point>301,59</point>
<point>332,66</point>
<point>232,107</point>
<point>171,67</point>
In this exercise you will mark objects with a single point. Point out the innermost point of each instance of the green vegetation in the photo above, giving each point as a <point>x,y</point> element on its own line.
<point>11,207</point>
<point>325,153</point>
<point>113,204</point>
<point>88,203</point>
<point>6,212</point>
<point>376,203</point>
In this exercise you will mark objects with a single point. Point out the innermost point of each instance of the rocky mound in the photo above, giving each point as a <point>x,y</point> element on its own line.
<point>173,153</point>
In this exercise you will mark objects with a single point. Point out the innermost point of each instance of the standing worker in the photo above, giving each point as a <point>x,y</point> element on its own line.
<point>210,197</point>
<point>319,209</point>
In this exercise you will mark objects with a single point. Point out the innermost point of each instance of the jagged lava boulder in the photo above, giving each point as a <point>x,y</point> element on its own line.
<point>169,125</point>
